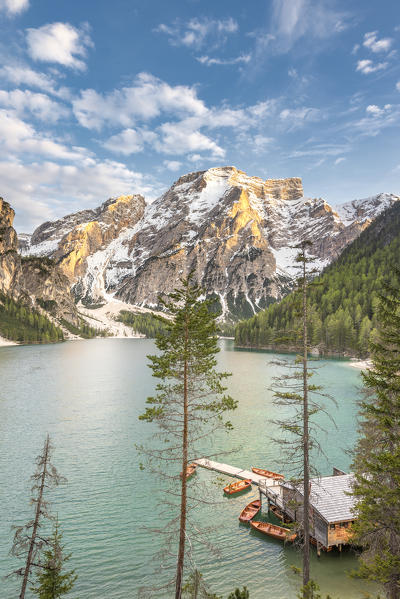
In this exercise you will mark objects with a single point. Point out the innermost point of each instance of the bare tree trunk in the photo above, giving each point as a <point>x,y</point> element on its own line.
<point>36,522</point>
<point>182,531</point>
<point>306,465</point>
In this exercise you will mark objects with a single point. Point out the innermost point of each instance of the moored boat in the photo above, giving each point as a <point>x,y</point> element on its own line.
<point>240,485</point>
<point>267,473</point>
<point>190,470</point>
<point>277,532</point>
<point>250,511</point>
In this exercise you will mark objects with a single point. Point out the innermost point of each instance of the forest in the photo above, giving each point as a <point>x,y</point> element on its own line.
<point>23,324</point>
<point>342,301</point>
<point>146,324</point>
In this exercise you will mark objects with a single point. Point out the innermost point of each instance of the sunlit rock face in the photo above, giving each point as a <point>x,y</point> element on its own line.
<point>31,279</point>
<point>236,233</point>
<point>9,258</point>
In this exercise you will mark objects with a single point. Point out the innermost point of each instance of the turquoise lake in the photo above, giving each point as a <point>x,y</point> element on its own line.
<point>88,395</point>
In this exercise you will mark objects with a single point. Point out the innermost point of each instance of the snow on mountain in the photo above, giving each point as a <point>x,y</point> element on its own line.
<point>235,232</point>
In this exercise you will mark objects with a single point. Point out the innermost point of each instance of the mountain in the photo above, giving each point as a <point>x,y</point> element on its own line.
<point>343,301</point>
<point>235,232</point>
<point>27,285</point>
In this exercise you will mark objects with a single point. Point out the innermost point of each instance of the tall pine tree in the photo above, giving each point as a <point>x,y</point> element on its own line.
<point>377,455</point>
<point>190,399</point>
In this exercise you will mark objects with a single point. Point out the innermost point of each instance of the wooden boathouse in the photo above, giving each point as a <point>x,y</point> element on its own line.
<point>331,507</point>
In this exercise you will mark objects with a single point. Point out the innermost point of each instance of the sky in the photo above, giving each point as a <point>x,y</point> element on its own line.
<point>100,99</point>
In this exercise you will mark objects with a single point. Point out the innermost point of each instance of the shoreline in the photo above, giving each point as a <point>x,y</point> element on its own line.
<point>361,364</point>
<point>7,342</point>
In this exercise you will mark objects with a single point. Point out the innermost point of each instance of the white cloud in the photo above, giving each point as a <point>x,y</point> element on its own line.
<point>14,7</point>
<point>17,136</point>
<point>61,43</point>
<point>372,42</point>
<point>150,98</point>
<point>24,75</point>
<point>129,141</point>
<point>374,110</point>
<point>180,138</point>
<point>339,160</point>
<point>41,191</point>
<point>398,86</point>
<point>39,105</point>
<point>197,32</point>
<point>367,66</point>
<point>172,165</point>
<point>206,60</point>
<point>195,158</point>
<point>147,98</point>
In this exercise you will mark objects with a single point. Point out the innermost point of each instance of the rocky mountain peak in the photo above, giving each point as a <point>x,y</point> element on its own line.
<point>236,232</point>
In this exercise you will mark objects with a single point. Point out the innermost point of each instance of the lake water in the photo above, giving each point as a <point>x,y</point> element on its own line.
<point>88,396</point>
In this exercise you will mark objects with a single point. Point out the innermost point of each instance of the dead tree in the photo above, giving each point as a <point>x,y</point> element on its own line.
<point>28,540</point>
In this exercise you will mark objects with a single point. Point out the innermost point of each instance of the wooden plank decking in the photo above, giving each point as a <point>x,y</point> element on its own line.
<point>256,479</point>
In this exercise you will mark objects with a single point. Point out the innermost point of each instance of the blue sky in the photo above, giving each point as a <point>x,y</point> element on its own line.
<point>101,98</point>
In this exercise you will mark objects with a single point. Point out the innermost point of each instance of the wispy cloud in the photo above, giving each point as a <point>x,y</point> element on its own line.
<point>366,66</point>
<point>206,60</point>
<point>376,45</point>
<point>196,32</point>
<point>376,120</point>
<point>14,7</point>
<point>339,160</point>
<point>321,149</point>
<point>59,43</point>
<point>295,19</point>
<point>294,118</point>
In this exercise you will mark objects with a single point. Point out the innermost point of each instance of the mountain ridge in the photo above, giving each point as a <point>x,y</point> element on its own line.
<point>234,231</point>
<point>342,303</point>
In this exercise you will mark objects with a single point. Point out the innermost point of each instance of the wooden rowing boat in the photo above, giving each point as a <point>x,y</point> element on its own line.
<point>267,473</point>
<point>277,532</point>
<point>241,485</point>
<point>250,511</point>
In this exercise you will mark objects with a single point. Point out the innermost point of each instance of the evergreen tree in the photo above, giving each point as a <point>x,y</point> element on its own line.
<point>190,399</point>
<point>377,455</point>
<point>239,594</point>
<point>28,540</point>
<point>294,390</point>
<point>52,581</point>
<point>346,294</point>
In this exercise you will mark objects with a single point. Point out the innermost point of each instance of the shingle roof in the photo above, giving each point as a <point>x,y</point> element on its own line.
<point>329,497</point>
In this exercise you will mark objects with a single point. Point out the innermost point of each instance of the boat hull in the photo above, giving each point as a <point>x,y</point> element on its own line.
<point>250,511</point>
<point>276,532</point>
<point>267,473</point>
<point>237,487</point>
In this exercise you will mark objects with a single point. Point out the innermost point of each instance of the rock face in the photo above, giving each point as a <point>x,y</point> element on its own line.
<point>236,233</point>
<point>9,258</point>
<point>31,279</point>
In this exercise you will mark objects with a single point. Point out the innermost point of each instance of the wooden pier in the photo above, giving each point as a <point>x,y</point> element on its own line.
<point>256,479</point>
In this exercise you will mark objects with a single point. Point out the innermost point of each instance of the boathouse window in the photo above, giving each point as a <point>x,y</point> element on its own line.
<point>332,526</point>
<point>344,524</point>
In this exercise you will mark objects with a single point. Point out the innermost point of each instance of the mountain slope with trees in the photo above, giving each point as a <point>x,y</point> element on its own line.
<point>342,302</point>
